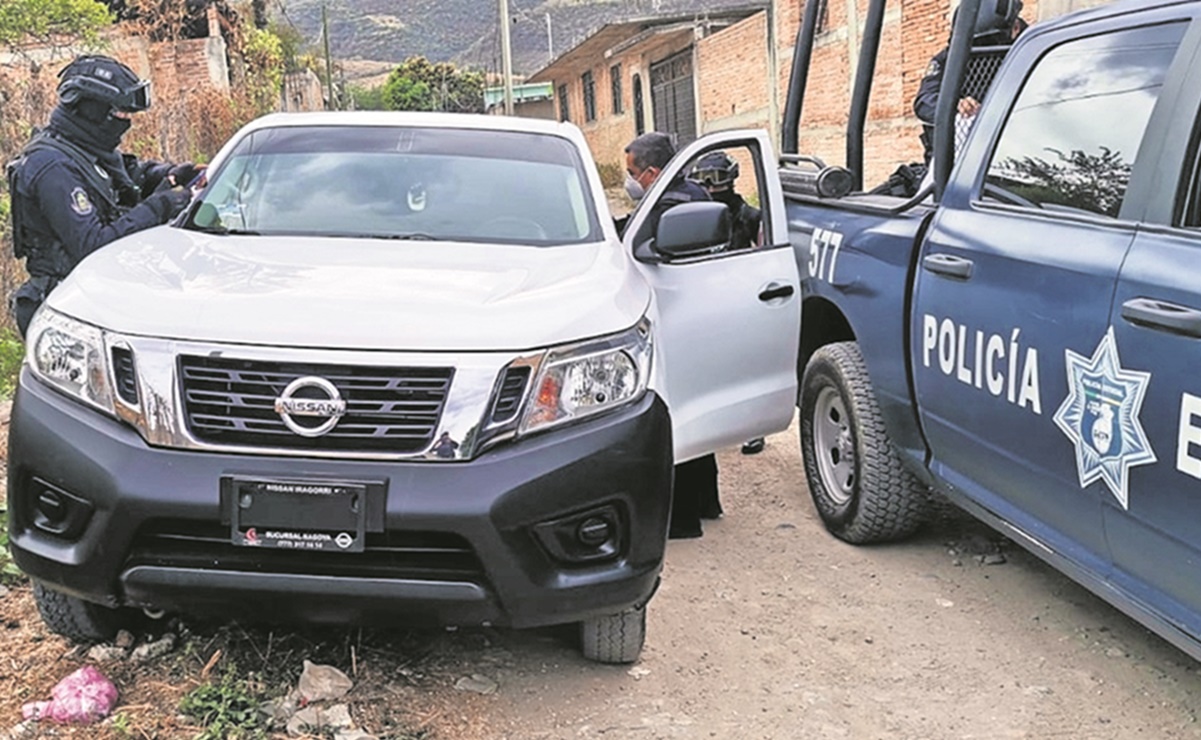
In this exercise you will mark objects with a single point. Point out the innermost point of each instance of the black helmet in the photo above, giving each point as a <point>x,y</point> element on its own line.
<point>994,20</point>
<point>715,170</point>
<point>104,80</point>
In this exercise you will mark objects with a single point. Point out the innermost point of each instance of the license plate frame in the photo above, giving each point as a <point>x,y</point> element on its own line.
<point>298,514</point>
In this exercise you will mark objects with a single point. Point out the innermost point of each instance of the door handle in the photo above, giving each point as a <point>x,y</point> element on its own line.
<point>1163,315</point>
<point>949,265</point>
<point>774,291</point>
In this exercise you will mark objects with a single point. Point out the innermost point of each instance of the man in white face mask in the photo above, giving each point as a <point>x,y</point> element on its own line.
<point>694,493</point>
<point>646,157</point>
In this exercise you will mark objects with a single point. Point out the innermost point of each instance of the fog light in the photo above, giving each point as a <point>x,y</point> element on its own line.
<point>594,531</point>
<point>57,512</point>
<point>51,507</point>
<point>584,537</point>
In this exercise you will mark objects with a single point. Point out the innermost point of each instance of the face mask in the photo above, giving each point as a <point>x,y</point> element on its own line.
<point>634,188</point>
<point>723,196</point>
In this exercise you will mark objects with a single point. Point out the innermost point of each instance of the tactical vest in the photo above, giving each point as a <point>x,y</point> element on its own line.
<point>43,252</point>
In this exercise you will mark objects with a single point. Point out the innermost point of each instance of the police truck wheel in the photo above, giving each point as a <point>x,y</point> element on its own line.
<point>860,488</point>
<point>79,620</point>
<point>614,638</point>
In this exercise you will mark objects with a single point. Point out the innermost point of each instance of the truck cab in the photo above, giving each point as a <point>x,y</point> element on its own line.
<point>394,368</point>
<point>1023,324</point>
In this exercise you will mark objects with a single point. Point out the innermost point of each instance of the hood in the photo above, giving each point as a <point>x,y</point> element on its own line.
<point>353,293</point>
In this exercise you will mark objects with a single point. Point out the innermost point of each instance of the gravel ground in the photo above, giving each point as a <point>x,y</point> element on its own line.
<point>765,628</point>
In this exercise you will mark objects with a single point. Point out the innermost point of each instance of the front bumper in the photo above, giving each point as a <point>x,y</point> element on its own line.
<point>485,541</point>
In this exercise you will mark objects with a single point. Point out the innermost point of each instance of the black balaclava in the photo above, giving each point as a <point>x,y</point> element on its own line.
<point>90,124</point>
<point>727,196</point>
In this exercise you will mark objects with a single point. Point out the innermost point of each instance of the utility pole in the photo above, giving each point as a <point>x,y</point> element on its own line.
<point>506,56</point>
<point>329,65</point>
<point>550,41</point>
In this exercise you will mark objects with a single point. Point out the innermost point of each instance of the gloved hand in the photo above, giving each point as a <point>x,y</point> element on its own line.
<point>168,203</point>
<point>182,175</point>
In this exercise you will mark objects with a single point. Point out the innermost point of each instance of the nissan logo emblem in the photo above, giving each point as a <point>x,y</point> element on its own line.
<point>310,398</point>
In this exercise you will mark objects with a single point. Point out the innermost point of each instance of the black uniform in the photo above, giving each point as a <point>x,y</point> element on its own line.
<point>72,193</point>
<point>745,219</point>
<point>679,191</point>
<point>926,102</point>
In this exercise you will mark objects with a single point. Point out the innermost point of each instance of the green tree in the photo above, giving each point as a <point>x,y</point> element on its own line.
<point>419,84</point>
<point>263,54</point>
<point>39,20</point>
<point>367,98</point>
<point>405,93</point>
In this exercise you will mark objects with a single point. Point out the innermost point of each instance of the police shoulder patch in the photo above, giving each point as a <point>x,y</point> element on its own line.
<point>934,68</point>
<point>80,203</point>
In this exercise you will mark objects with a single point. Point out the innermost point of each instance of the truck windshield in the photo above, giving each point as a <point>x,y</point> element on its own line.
<point>402,183</point>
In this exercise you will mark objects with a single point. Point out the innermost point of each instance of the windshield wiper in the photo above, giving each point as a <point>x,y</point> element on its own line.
<point>222,231</point>
<point>416,236</point>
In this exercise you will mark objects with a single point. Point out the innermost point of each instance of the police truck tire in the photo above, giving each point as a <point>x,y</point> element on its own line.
<point>79,620</point>
<point>614,638</point>
<point>859,486</point>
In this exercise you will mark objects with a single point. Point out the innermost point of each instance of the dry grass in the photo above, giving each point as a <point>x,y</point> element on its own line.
<point>403,680</point>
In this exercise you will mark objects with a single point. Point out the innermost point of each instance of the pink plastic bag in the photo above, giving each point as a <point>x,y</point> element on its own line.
<point>81,698</point>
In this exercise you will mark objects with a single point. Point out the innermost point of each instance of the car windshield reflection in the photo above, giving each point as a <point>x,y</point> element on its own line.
<point>400,183</point>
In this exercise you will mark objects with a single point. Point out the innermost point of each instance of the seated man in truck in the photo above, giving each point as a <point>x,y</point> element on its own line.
<point>925,104</point>
<point>694,493</point>
<point>716,172</point>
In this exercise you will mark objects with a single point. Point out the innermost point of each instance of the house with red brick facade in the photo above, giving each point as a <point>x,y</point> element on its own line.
<point>683,74</point>
<point>700,72</point>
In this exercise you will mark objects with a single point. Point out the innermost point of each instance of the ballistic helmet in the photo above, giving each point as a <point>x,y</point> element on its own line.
<point>104,80</point>
<point>715,170</point>
<point>994,21</point>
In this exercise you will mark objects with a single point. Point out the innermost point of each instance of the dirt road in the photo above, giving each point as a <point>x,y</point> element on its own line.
<point>769,628</point>
<point>765,628</point>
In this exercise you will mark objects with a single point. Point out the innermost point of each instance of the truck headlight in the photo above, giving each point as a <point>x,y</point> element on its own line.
<point>590,378</point>
<point>69,355</point>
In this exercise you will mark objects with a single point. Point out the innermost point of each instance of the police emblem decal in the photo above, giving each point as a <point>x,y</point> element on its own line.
<point>1100,417</point>
<point>80,203</point>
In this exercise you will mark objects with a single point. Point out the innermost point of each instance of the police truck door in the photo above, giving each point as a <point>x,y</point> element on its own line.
<point>1154,526</point>
<point>1026,398</point>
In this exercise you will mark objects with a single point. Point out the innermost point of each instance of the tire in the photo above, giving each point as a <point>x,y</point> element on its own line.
<point>614,638</point>
<point>79,620</point>
<point>859,486</point>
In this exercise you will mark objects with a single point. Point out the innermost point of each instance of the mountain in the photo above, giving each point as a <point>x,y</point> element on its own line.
<point>465,31</point>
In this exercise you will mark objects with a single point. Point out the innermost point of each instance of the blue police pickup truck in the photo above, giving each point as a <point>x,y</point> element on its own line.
<point>1022,335</point>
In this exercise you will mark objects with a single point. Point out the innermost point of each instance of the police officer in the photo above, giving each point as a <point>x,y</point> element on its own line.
<point>991,31</point>
<point>73,191</point>
<point>716,172</point>
<point>694,491</point>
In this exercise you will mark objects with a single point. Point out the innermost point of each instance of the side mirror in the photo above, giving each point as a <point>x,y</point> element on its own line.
<point>693,228</point>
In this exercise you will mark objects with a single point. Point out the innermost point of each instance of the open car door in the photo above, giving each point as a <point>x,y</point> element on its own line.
<point>727,315</point>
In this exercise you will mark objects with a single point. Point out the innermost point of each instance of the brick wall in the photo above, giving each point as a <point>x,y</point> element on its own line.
<point>608,135</point>
<point>732,67</point>
<point>183,75</point>
<point>914,31</point>
<point>732,72</point>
